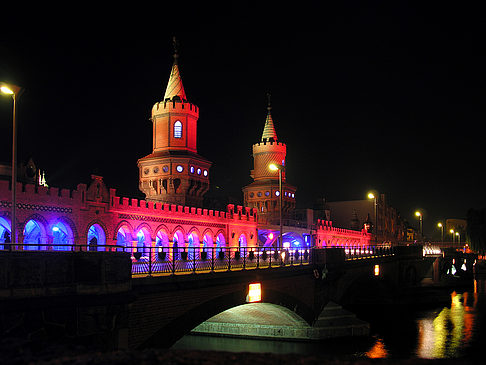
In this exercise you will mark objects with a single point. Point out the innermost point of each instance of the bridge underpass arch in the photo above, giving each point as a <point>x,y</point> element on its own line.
<point>173,330</point>
<point>367,293</point>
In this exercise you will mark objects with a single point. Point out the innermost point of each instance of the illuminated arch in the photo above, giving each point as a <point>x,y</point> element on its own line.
<point>96,237</point>
<point>144,240</point>
<point>35,235</point>
<point>5,232</point>
<point>62,235</point>
<point>193,244</point>
<point>178,243</point>
<point>242,241</point>
<point>124,236</point>
<point>220,240</point>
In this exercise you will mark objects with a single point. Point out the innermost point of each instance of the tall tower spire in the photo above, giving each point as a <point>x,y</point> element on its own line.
<point>174,86</point>
<point>269,133</point>
<point>174,173</point>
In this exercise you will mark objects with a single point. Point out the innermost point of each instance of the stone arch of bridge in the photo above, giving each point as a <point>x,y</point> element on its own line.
<point>359,290</point>
<point>172,331</point>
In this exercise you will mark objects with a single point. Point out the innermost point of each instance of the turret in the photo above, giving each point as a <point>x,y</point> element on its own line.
<point>174,172</point>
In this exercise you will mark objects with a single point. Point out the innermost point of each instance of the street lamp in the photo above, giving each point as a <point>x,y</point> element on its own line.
<point>458,237</point>
<point>441,226</point>
<point>275,167</point>
<point>14,91</point>
<point>452,234</point>
<point>375,204</point>
<point>420,216</point>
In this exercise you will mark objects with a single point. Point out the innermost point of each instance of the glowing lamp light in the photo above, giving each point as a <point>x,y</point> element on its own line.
<point>273,167</point>
<point>140,234</point>
<point>371,196</point>
<point>55,229</point>
<point>377,270</point>
<point>418,214</point>
<point>6,90</point>
<point>270,236</point>
<point>254,293</point>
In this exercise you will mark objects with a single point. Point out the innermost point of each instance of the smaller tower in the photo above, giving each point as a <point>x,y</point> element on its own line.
<point>263,193</point>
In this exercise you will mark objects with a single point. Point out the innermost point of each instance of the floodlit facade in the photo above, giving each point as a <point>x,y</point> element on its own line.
<point>174,179</point>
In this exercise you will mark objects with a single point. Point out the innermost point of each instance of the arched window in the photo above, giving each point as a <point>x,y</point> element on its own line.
<point>177,129</point>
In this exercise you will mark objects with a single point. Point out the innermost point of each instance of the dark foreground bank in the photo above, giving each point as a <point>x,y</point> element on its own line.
<point>160,356</point>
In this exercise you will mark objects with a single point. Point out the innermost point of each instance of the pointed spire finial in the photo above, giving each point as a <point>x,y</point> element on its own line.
<point>175,44</point>
<point>269,133</point>
<point>174,87</point>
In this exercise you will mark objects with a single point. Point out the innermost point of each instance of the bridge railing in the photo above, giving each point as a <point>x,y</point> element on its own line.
<point>367,252</point>
<point>169,260</point>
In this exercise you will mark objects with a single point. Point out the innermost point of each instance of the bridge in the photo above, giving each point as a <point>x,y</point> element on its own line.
<point>116,300</point>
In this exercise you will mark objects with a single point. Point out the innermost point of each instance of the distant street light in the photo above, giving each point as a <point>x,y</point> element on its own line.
<point>420,216</point>
<point>441,226</point>
<point>275,167</point>
<point>458,237</point>
<point>452,233</point>
<point>375,204</point>
<point>14,91</point>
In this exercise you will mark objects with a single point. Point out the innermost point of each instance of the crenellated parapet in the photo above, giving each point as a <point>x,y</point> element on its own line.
<point>327,235</point>
<point>175,106</point>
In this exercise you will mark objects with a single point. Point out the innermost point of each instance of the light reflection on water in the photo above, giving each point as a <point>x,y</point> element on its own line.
<point>446,332</point>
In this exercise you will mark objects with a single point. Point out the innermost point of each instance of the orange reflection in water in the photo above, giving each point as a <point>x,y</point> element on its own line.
<point>378,351</point>
<point>449,331</point>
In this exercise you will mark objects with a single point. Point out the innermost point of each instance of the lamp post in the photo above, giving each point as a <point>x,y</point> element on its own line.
<point>452,234</point>
<point>275,167</point>
<point>441,226</point>
<point>375,204</point>
<point>15,92</point>
<point>458,237</point>
<point>420,216</point>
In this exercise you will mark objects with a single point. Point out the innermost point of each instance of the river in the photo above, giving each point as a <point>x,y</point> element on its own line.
<point>455,330</point>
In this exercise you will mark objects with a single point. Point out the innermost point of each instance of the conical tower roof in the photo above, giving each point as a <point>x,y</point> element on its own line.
<point>174,86</point>
<point>269,129</point>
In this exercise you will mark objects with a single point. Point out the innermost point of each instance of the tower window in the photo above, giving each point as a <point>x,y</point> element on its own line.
<point>177,129</point>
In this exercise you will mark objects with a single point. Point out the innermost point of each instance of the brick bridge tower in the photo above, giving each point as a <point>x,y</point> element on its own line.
<point>174,173</point>
<point>263,193</point>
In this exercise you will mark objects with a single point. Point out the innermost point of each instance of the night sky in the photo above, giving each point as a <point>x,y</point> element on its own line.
<point>384,96</point>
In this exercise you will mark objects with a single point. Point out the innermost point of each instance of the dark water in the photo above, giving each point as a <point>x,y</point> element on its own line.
<point>455,330</point>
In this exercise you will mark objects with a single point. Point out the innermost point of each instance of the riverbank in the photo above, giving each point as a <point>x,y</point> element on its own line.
<point>175,357</point>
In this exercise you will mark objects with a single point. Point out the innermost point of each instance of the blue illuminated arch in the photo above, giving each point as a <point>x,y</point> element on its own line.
<point>5,232</point>
<point>96,238</point>
<point>35,237</point>
<point>62,236</point>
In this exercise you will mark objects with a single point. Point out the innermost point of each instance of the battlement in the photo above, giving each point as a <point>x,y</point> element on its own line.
<point>32,192</point>
<point>324,225</point>
<point>145,207</point>
<point>175,106</point>
<point>270,146</point>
